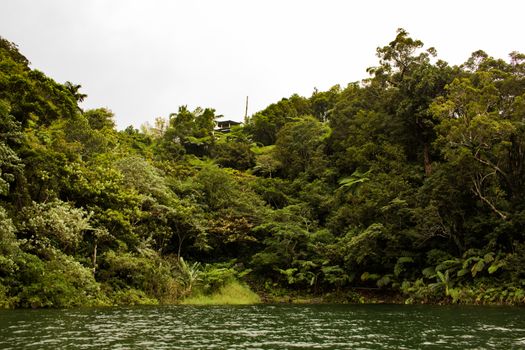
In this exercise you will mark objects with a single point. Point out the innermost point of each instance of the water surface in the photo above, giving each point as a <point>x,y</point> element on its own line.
<point>266,327</point>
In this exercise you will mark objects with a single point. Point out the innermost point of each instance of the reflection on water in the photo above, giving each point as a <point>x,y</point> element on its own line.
<point>266,327</point>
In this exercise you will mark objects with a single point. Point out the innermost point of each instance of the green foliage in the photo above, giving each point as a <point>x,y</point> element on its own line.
<point>54,224</point>
<point>299,147</point>
<point>235,154</point>
<point>9,251</point>
<point>215,276</point>
<point>353,180</point>
<point>145,273</point>
<point>266,162</point>
<point>363,247</point>
<point>60,282</point>
<point>10,164</point>
<point>189,132</point>
<point>264,125</point>
<point>411,181</point>
<point>188,276</point>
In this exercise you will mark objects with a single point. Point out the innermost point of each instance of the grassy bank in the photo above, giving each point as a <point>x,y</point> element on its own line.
<point>233,293</point>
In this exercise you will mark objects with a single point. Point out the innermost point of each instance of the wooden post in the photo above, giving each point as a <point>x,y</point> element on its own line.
<point>246,111</point>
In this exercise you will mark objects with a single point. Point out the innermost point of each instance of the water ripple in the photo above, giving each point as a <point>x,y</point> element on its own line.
<point>265,327</point>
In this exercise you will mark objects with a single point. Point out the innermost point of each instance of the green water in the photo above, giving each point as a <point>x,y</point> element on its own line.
<point>266,327</point>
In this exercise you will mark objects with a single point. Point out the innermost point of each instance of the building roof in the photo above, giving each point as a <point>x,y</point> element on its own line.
<point>227,123</point>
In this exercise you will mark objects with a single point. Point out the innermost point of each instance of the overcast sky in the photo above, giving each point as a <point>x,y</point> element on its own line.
<point>144,58</point>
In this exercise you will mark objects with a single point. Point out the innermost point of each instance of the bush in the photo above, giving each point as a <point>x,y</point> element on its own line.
<point>146,272</point>
<point>61,282</point>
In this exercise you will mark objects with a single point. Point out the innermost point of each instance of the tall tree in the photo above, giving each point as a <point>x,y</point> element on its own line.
<point>482,129</point>
<point>411,81</point>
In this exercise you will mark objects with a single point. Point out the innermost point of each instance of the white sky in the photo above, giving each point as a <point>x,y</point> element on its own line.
<point>144,58</point>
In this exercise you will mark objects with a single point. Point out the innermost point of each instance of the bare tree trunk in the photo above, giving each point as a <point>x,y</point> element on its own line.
<point>94,258</point>
<point>179,248</point>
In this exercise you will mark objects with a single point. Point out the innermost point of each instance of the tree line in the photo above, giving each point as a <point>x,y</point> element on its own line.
<point>408,183</point>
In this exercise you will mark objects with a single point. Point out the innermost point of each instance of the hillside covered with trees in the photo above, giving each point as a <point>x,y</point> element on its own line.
<point>409,184</point>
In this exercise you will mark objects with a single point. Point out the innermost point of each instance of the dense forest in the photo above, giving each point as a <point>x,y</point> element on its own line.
<point>406,186</point>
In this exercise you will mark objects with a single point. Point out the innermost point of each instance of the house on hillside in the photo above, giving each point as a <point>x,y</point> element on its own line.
<point>225,125</point>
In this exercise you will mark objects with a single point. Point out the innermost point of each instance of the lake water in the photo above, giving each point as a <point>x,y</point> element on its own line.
<point>266,327</point>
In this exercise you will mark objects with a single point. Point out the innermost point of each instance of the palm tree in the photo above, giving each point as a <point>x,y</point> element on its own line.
<point>74,90</point>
